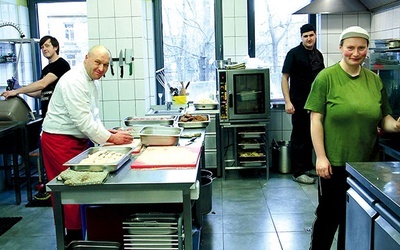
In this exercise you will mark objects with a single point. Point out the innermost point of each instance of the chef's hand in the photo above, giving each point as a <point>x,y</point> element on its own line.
<point>120,137</point>
<point>9,93</point>
<point>323,168</point>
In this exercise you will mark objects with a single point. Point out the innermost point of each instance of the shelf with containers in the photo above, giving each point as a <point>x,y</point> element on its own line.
<point>244,146</point>
<point>20,59</point>
<point>385,62</point>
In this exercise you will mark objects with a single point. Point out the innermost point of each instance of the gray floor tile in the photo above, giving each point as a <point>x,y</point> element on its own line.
<point>259,241</point>
<point>248,223</point>
<point>248,212</point>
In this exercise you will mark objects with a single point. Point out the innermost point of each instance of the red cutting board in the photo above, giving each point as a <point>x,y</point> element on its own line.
<point>167,157</point>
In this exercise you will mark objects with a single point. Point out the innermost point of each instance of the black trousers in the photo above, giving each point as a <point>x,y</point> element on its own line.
<point>300,144</point>
<point>331,211</point>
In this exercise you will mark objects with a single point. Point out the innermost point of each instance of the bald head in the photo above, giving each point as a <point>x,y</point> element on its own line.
<point>97,61</point>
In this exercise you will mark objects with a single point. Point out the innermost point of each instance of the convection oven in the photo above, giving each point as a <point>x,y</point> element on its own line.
<point>244,95</point>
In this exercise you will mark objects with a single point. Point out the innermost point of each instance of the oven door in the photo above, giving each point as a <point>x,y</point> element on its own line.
<point>248,95</point>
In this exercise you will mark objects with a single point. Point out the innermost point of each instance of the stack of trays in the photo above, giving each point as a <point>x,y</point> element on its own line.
<point>153,231</point>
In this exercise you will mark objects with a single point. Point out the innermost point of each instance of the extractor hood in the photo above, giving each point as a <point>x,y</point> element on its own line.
<point>333,7</point>
<point>345,6</point>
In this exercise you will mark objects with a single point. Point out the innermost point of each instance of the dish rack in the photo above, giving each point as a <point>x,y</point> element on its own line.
<point>153,231</point>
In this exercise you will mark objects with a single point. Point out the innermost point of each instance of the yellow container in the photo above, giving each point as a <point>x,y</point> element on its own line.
<point>180,99</point>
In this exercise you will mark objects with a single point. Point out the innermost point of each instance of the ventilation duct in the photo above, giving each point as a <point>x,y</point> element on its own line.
<point>333,7</point>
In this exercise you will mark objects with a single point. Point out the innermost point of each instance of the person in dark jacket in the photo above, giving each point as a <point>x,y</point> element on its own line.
<point>301,66</point>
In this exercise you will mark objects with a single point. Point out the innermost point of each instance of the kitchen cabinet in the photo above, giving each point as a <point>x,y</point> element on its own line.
<point>373,205</point>
<point>360,217</point>
<point>244,146</point>
<point>212,139</point>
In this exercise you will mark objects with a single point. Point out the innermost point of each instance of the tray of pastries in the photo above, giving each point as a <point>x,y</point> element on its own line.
<point>97,159</point>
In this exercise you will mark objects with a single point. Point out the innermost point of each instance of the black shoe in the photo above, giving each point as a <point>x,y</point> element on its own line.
<point>42,196</point>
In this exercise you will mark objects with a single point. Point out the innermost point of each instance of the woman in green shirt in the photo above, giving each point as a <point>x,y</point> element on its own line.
<point>347,103</point>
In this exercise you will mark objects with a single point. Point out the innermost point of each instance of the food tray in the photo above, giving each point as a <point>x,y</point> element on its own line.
<point>160,136</point>
<point>195,124</point>
<point>205,105</point>
<point>145,121</point>
<point>75,164</point>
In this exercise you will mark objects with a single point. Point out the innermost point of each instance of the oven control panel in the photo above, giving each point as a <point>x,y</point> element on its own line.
<point>223,101</point>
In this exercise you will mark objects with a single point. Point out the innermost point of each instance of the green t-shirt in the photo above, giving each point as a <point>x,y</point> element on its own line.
<point>352,109</point>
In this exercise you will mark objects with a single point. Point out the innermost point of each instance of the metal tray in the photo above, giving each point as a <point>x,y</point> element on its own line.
<point>205,105</point>
<point>153,120</point>
<point>87,244</point>
<point>160,136</point>
<point>133,130</point>
<point>75,164</point>
<point>195,124</point>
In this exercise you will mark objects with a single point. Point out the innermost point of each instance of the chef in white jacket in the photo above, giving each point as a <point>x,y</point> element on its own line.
<point>73,120</point>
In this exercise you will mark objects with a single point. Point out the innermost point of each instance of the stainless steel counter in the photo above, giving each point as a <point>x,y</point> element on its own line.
<point>382,179</point>
<point>129,186</point>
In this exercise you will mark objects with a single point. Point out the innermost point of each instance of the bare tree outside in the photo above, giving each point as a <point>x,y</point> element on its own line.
<point>277,31</point>
<point>189,42</point>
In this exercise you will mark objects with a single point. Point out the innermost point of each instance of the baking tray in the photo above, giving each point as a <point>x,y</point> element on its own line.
<point>75,164</point>
<point>153,120</point>
<point>201,106</point>
<point>160,136</point>
<point>195,124</point>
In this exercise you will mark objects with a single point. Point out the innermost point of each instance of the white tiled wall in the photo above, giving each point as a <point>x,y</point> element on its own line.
<point>330,28</point>
<point>120,25</point>
<point>234,29</point>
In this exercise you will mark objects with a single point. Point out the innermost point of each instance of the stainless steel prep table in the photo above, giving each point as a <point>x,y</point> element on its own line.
<point>129,186</point>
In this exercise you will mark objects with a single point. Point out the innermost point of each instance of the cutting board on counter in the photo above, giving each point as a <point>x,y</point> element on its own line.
<point>167,157</point>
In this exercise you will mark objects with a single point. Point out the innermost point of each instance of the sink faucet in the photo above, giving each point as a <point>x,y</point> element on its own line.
<point>169,104</point>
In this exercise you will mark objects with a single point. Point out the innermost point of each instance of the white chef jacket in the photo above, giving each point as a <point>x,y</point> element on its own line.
<point>73,108</point>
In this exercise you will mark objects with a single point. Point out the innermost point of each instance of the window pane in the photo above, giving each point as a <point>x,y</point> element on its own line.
<point>188,44</point>
<point>276,32</point>
<point>67,22</point>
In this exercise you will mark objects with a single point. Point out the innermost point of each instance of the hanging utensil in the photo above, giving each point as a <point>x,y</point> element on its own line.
<point>128,59</point>
<point>111,64</point>
<point>121,63</point>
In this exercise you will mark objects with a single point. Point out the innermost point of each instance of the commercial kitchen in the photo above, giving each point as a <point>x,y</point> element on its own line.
<point>229,186</point>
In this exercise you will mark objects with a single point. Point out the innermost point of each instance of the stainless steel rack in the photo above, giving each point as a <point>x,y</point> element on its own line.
<point>244,146</point>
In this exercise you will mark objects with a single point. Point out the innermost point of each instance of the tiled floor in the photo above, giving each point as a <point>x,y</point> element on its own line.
<point>248,212</point>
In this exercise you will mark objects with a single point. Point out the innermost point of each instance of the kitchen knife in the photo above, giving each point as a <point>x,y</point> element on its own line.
<point>121,63</point>
<point>111,64</point>
<point>128,59</point>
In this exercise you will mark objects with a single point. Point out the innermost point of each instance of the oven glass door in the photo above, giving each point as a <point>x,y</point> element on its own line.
<point>248,96</point>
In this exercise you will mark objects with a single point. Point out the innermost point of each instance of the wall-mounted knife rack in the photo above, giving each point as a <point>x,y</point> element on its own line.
<point>123,59</point>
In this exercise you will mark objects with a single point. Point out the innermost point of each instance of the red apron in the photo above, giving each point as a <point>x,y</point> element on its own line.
<point>56,150</point>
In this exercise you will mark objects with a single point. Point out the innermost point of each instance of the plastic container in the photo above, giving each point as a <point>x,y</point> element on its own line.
<point>281,157</point>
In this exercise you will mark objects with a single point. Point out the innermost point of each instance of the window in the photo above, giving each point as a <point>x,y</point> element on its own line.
<point>276,32</point>
<point>188,46</point>
<point>67,22</point>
